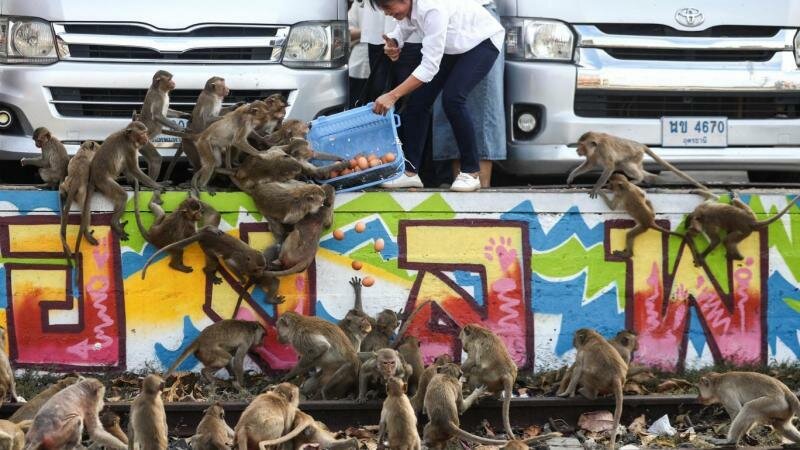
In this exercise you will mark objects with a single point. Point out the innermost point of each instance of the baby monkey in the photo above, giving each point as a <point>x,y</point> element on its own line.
<point>750,398</point>
<point>634,201</point>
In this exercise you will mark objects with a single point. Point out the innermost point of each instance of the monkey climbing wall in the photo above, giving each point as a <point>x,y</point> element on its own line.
<point>532,266</point>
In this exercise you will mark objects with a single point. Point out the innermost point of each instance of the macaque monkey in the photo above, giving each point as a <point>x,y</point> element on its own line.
<point>207,110</point>
<point>444,403</point>
<point>28,410</point>
<point>385,363</point>
<point>598,368</point>
<point>232,131</point>
<point>617,154</point>
<point>489,364</point>
<point>381,335</point>
<point>75,188</point>
<point>299,248</point>
<point>398,422</point>
<point>315,435</point>
<point>53,162</point>
<point>634,201</point>
<point>321,345</point>
<point>278,165</point>
<point>8,387</point>
<point>751,398</point>
<point>269,416</point>
<point>111,423</point>
<point>244,261</point>
<point>223,344</point>
<point>425,379</point>
<point>147,427</point>
<point>12,435</point>
<point>289,129</point>
<point>213,433</point>
<point>408,347</point>
<point>61,420</point>
<point>356,323</point>
<point>625,343</point>
<point>175,226</point>
<point>155,113</point>
<point>119,151</point>
<point>737,220</point>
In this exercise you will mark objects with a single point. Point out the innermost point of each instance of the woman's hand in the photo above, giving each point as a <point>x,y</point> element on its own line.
<point>384,103</point>
<point>390,48</point>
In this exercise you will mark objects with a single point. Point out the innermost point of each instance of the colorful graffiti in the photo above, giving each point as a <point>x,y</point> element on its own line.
<point>534,267</point>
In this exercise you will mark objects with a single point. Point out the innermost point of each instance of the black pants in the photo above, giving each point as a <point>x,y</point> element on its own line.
<point>433,173</point>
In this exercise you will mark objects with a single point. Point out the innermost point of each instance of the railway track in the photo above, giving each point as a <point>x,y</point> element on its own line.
<point>339,415</point>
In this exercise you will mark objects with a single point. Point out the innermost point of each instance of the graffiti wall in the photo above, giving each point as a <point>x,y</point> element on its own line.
<point>534,267</point>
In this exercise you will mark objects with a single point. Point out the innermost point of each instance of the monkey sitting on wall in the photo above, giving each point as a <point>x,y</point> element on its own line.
<point>53,162</point>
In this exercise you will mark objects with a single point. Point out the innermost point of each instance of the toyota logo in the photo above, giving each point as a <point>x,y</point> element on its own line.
<point>689,17</point>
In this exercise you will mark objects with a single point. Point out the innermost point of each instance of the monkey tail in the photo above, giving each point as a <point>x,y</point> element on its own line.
<point>185,354</point>
<point>180,244</point>
<point>679,172</point>
<point>25,425</point>
<point>794,403</point>
<point>458,432</point>
<point>297,268</point>
<point>508,386</point>
<point>86,213</point>
<point>542,437</point>
<point>617,409</point>
<point>708,195</point>
<point>767,222</point>
<point>64,205</point>
<point>304,423</point>
<point>136,211</point>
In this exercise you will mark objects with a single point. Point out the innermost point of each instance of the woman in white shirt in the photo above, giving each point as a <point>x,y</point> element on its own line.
<point>460,43</point>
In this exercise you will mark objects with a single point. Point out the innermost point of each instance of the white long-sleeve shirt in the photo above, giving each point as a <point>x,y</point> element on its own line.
<point>449,27</point>
<point>374,24</point>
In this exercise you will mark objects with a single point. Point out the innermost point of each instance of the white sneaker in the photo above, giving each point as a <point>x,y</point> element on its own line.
<point>465,183</point>
<point>404,181</point>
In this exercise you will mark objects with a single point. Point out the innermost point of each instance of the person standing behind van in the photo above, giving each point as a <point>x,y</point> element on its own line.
<point>460,43</point>
<point>359,59</point>
<point>485,102</point>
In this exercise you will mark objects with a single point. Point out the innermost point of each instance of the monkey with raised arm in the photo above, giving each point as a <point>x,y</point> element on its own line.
<point>425,379</point>
<point>155,115</point>
<point>489,364</point>
<point>385,364</point>
<point>634,201</point>
<point>279,165</point>
<point>315,435</point>
<point>598,368</point>
<point>27,411</point>
<point>117,153</point>
<point>147,427</point>
<point>737,220</point>
<point>618,154</point>
<point>223,344</point>
<point>53,162</point>
<point>61,420</point>
<point>269,416</point>
<point>291,128</point>
<point>75,188</point>
<point>398,422</point>
<point>175,226</point>
<point>232,131</point>
<point>245,262</point>
<point>207,110</point>
<point>323,346</point>
<point>213,433</point>
<point>751,398</point>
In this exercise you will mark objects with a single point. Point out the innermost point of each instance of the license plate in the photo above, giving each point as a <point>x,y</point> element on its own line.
<point>694,131</point>
<point>167,140</point>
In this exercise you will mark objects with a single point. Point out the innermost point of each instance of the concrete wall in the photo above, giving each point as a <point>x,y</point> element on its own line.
<point>532,266</point>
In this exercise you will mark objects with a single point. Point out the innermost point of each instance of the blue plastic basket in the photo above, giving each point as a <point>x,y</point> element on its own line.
<point>359,131</point>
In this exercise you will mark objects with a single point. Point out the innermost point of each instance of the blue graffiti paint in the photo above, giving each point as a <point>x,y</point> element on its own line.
<point>352,240</point>
<point>571,224</point>
<point>260,298</point>
<point>28,201</point>
<point>471,282</point>
<point>3,289</point>
<point>323,313</point>
<point>167,357</point>
<point>566,298</point>
<point>697,335</point>
<point>133,262</point>
<point>781,318</point>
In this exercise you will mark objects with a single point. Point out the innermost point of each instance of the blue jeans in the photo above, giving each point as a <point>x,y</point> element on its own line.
<point>486,104</point>
<point>458,75</point>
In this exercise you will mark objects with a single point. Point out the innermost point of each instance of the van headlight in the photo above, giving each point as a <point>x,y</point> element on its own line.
<point>317,45</point>
<point>24,40</point>
<point>797,48</point>
<point>538,39</point>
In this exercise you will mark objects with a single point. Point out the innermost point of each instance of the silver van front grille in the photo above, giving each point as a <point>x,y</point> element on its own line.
<point>135,42</point>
